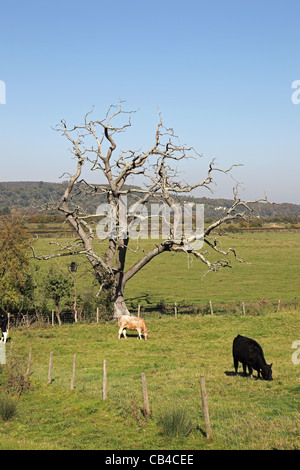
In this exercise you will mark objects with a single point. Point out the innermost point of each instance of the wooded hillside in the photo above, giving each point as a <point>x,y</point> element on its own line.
<point>32,196</point>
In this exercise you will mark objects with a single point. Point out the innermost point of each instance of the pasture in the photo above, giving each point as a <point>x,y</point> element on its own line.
<point>272,272</point>
<point>244,413</point>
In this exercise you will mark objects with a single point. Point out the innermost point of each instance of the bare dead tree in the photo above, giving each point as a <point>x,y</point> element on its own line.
<point>94,143</point>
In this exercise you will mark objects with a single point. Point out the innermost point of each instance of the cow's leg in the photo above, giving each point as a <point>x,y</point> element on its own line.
<point>250,372</point>
<point>139,333</point>
<point>120,332</point>
<point>236,366</point>
<point>245,368</point>
<point>124,333</point>
<point>4,336</point>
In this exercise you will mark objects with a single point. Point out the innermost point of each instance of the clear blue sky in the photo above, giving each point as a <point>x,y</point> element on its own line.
<point>220,72</point>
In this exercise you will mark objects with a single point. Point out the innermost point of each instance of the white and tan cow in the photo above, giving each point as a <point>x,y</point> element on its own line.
<point>132,323</point>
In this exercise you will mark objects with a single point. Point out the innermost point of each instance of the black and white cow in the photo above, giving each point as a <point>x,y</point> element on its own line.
<point>250,354</point>
<point>3,326</point>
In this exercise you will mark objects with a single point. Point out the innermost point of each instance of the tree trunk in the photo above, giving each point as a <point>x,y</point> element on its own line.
<point>57,312</point>
<point>120,306</point>
<point>121,278</point>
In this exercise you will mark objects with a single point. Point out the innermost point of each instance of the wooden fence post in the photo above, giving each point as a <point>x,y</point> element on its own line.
<point>2,353</point>
<point>50,368</point>
<point>97,315</point>
<point>73,372</point>
<point>10,354</point>
<point>278,306</point>
<point>145,394</point>
<point>104,391</point>
<point>244,311</point>
<point>175,309</point>
<point>211,307</point>
<point>205,408</point>
<point>139,310</point>
<point>28,364</point>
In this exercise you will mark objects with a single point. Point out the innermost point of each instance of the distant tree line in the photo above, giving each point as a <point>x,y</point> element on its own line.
<point>32,197</point>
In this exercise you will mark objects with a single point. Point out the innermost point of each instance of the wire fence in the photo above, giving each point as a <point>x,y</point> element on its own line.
<point>67,316</point>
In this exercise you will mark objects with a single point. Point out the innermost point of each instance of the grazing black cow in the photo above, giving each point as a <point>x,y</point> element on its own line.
<point>250,354</point>
<point>3,326</point>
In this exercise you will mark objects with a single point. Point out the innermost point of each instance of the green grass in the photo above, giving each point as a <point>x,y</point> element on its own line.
<point>245,413</point>
<point>273,272</point>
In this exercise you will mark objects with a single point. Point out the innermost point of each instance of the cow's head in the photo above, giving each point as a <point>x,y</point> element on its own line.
<point>267,372</point>
<point>146,334</point>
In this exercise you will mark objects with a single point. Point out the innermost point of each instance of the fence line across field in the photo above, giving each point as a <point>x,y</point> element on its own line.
<point>209,308</point>
<point>175,307</point>
<point>106,383</point>
<point>114,374</point>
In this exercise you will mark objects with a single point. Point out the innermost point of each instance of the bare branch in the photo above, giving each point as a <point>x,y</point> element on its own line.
<point>71,251</point>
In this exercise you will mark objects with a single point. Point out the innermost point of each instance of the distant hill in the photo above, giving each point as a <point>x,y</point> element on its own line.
<point>30,197</point>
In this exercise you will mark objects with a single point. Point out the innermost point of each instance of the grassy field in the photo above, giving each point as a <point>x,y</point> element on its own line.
<point>272,272</point>
<point>245,413</point>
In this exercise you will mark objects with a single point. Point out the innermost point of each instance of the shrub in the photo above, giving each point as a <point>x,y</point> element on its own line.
<point>164,307</point>
<point>14,380</point>
<point>175,422</point>
<point>8,408</point>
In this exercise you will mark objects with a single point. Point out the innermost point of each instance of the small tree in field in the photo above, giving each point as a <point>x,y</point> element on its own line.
<point>93,143</point>
<point>57,286</point>
<point>15,279</point>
